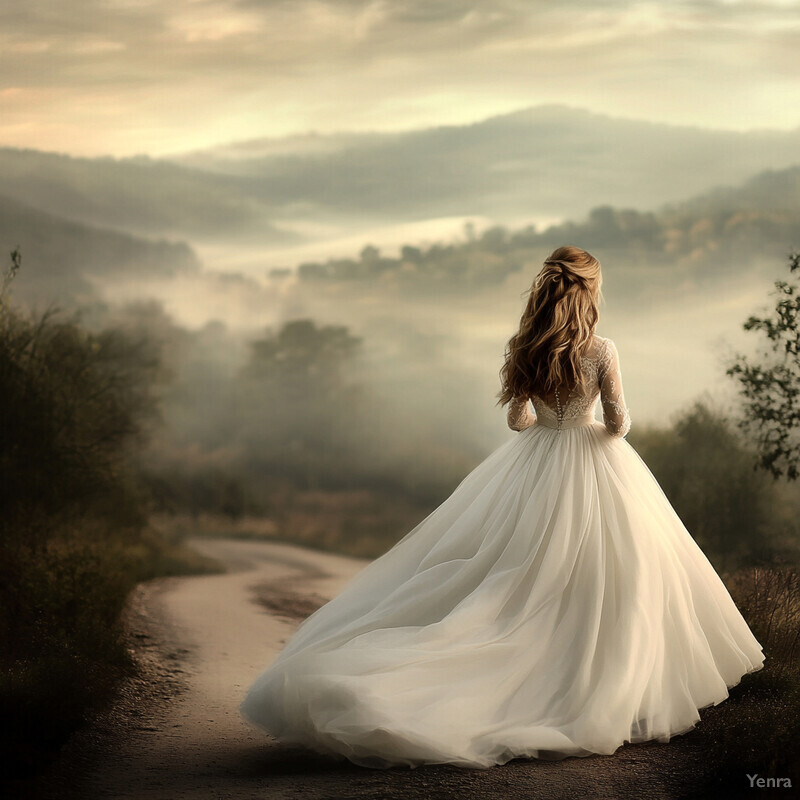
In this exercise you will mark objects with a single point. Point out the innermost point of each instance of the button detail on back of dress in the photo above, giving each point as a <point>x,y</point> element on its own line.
<point>559,413</point>
<point>603,381</point>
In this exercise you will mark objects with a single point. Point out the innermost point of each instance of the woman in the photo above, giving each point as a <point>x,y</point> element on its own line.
<point>554,605</point>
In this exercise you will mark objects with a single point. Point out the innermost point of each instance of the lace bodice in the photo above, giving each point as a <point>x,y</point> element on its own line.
<point>603,383</point>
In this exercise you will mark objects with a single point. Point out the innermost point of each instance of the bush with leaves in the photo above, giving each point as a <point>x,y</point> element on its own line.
<point>771,386</point>
<point>74,538</point>
<point>300,399</point>
<point>705,468</point>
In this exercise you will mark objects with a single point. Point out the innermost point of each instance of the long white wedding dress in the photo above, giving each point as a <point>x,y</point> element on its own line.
<point>554,605</point>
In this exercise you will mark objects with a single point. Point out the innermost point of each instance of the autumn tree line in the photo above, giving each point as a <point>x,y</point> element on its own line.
<point>700,241</point>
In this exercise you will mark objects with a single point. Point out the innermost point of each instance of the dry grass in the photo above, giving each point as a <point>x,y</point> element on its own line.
<point>757,730</point>
<point>63,651</point>
<point>358,523</point>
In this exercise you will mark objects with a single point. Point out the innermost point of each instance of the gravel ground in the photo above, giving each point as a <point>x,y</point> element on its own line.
<point>175,731</point>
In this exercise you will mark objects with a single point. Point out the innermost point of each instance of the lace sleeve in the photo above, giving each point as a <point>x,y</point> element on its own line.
<point>615,412</point>
<point>520,414</point>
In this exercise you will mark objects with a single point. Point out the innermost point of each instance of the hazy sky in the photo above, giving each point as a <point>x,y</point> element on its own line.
<point>122,77</point>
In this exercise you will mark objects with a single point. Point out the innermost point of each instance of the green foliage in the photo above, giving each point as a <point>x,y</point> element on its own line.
<point>74,540</point>
<point>300,403</point>
<point>75,403</point>
<point>313,356</point>
<point>771,387</point>
<point>705,469</point>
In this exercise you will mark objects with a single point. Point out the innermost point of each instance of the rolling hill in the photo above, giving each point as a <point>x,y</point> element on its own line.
<point>60,257</point>
<point>548,161</point>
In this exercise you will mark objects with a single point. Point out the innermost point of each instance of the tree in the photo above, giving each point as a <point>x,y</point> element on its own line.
<point>771,387</point>
<point>706,471</point>
<point>300,400</point>
<point>303,352</point>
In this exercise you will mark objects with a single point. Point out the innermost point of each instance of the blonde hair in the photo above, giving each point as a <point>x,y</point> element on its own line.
<point>556,327</point>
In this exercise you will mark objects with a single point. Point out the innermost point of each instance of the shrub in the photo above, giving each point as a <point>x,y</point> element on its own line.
<point>706,470</point>
<point>74,537</point>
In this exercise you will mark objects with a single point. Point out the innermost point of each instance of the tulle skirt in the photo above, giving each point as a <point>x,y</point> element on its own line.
<point>554,605</point>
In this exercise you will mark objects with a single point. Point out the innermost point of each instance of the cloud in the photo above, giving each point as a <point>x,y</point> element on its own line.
<point>128,76</point>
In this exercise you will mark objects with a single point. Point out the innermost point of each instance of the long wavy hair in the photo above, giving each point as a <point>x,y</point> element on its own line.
<point>556,328</point>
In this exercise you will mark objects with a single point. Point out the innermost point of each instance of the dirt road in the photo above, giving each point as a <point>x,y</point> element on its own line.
<point>176,732</point>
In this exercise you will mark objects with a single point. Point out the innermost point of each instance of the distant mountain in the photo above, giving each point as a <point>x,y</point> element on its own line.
<point>722,231</point>
<point>60,257</point>
<point>773,190</point>
<point>145,196</point>
<point>550,161</point>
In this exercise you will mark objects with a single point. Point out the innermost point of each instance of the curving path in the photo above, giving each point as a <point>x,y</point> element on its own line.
<point>176,731</point>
